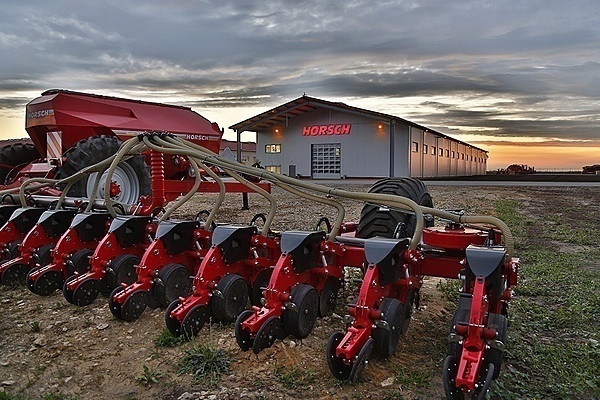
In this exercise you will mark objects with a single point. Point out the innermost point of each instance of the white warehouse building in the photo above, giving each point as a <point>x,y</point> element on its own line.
<point>314,138</point>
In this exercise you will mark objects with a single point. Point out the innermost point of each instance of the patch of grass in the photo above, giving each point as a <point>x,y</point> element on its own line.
<point>414,376</point>
<point>7,396</point>
<point>450,288</point>
<point>294,377</point>
<point>149,375</point>
<point>35,327</point>
<point>167,339</point>
<point>205,363</point>
<point>58,396</point>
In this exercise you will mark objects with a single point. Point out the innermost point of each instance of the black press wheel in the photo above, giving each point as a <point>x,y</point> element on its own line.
<point>193,321</point>
<point>494,355</point>
<point>268,333</point>
<point>68,293</point>
<point>338,368</point>
<point>259,285</point>
<point>86,292</point>
<point>449,379</point>
<point>300,320</point>
<point>233,299</point>
<point>15,274</point>
<point>132,178</point>
<point>122,270</point>
<point>378,221</point>
<point>114,306</point>
<point>176,282</point>
<point>386,338</point>
<point>242,337</point>
<point>46,283</point>
<point>134,305</point>
<point>361,360</point>
<point>12,251</point>
<point>328,296</point>
<point>44,255</point>
<point>80,262</point>
<point>173,325</point>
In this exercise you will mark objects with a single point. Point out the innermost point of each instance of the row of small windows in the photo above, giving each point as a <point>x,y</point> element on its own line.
<point>440,152</point>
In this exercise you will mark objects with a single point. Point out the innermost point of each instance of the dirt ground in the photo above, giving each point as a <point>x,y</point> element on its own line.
<point>50,346</point>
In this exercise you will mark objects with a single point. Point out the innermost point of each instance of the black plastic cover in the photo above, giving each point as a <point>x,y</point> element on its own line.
<point>385,253</point>
<point>56,222</point>
<point>25,218</point>
<point>90,226</point>
<point>234,241</point>
<point>129,229</point>
<point>177,236</point>
<point>6,210</point>
<point>303,247</point>
<point>484,260</point>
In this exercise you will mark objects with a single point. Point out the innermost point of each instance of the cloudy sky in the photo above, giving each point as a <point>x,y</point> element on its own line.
<point>518,78</point>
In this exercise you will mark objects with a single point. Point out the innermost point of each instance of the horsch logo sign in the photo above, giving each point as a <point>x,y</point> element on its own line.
<point>327,130</point>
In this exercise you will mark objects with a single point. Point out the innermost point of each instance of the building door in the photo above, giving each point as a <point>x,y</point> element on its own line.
<point>326,160</point>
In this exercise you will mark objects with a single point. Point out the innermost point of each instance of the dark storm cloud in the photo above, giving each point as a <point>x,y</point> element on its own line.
<point>533,64</point>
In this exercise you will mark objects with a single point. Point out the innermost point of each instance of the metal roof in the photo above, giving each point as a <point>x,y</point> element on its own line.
<point>280,114</point>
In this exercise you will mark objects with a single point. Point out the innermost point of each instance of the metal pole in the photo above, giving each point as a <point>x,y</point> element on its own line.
<point>245,205</point>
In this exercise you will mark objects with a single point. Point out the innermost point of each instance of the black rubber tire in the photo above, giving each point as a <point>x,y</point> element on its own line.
<point>123,270</point>
<point>461,315</point>
<point>45,254</point>
<point>92,150</point>
<point>494,356</point>
<point>176,282</point>
<point>14,155</point>
<point>375,221</point>
<point>386,341</point>
<point>328,296</point>
<point>235,297</point>
<point>258,286</point>
<point>80,261</point>
<point>300,322</point>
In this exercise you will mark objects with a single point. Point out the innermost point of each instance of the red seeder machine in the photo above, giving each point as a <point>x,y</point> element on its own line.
<point>90,218</point>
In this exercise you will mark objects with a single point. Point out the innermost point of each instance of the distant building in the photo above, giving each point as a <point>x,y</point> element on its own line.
<point>248,150</point>
<point>315,138</point>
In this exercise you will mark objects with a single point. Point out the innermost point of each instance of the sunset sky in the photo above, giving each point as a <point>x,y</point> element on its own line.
<point>518,78</point>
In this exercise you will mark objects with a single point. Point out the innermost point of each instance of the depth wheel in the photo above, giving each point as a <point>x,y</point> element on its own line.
<point>301,320</point>
<point>386,340</point>
<point>408,309</point>
<point>13,250</point>
<point>328,296</point>
<point>234,290</point>
<point>259,285</point>
<point>86,292</point>
<point>123,270</point>
<point>449,379</point>
<point>176,283</point>
<point>337,367</point>
<point>361,360</point>
<point>68,293</point>
<point>173,325</point>
<point>193,321</point>
<point>242,337</point>
<point>268,333</point>
<point>46,283</point>
<point>15,274</point>
<point>493,355</point>
<point>134,306</point>
<point>80,262</point>
<point>44,254</point>
<point>484,386</point>
<point>114,307</point>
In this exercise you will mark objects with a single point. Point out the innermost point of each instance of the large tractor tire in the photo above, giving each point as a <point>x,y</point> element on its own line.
<point>15,154</point>
<point>132,177</point>
<point>384,222</point>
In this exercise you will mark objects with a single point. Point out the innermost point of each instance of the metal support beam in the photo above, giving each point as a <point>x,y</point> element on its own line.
<point>392,148</point>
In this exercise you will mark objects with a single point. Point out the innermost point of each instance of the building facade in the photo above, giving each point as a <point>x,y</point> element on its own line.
<point>314,138</point>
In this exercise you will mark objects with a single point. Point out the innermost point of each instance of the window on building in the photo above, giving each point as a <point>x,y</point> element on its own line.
<point>433,150</point>
<point>245,159</point>
<point>441,152</point>
<point>447,153</point>
<point>415,147</point>
<point>462,156</point>
<point>273,148</point>
<point>273,168</point>
<point>453,154</point>
<point>425,149</point>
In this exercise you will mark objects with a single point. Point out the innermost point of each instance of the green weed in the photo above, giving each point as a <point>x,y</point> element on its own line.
<point>167,339</point>
<point>205,363</point>
<point>149,375</point>
<point>294,377</point>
